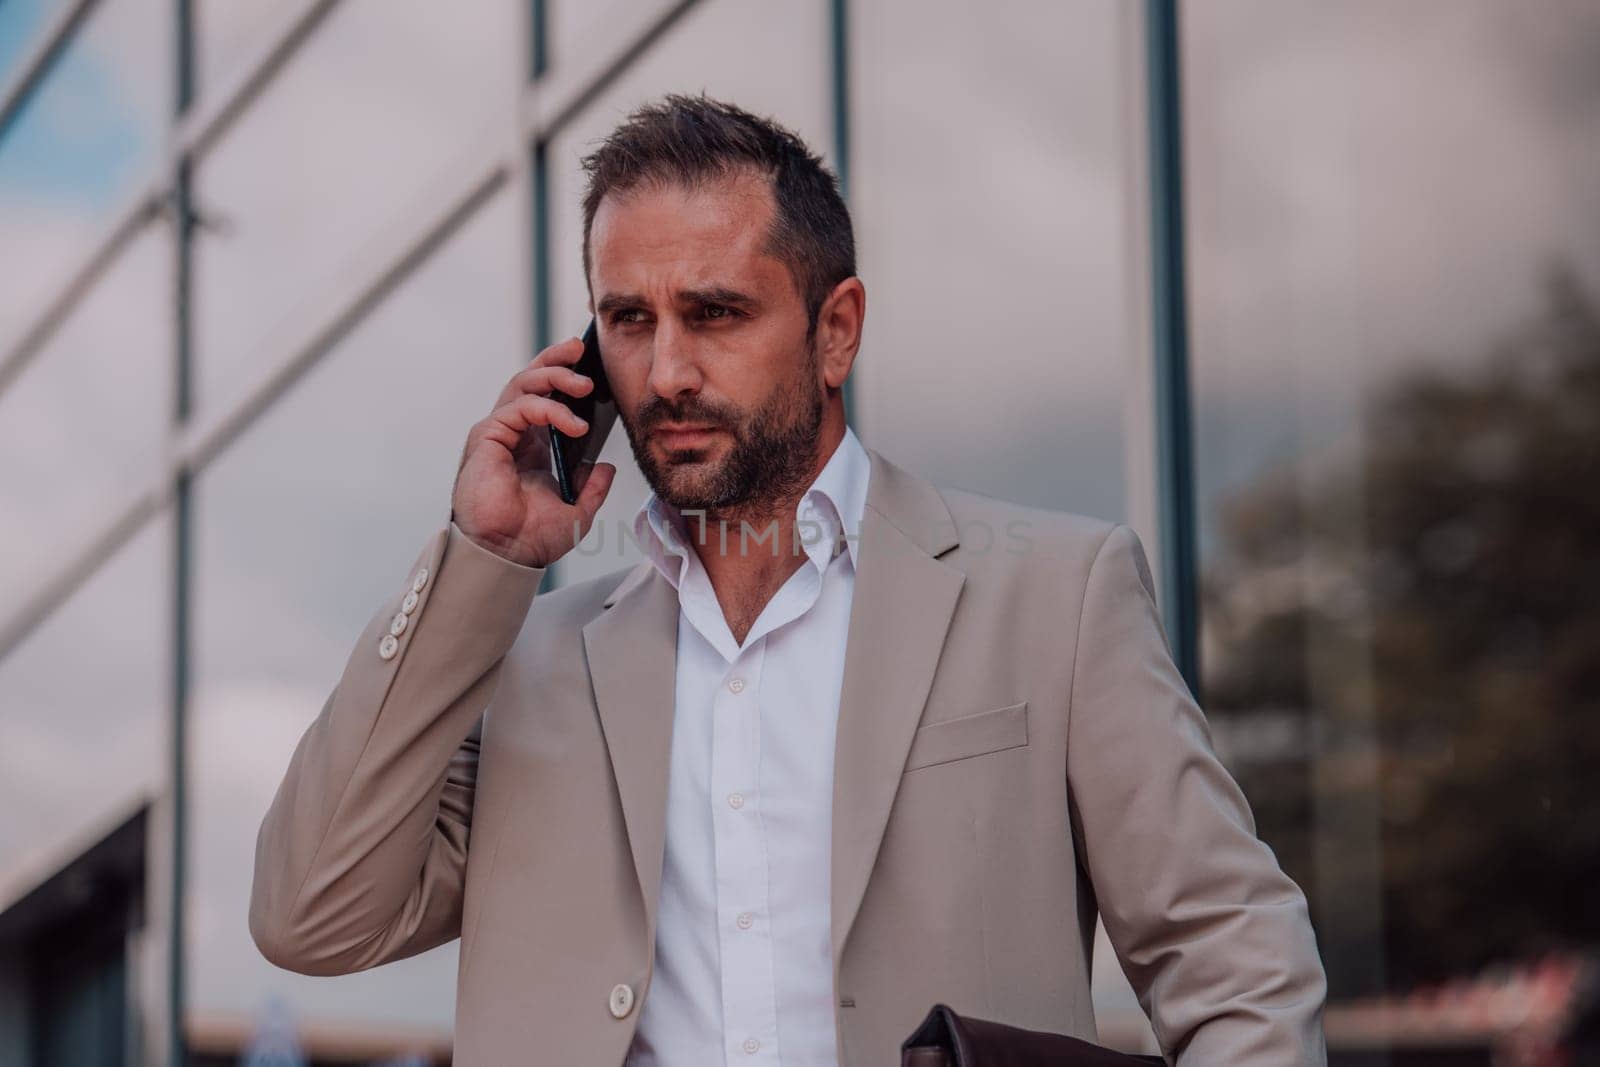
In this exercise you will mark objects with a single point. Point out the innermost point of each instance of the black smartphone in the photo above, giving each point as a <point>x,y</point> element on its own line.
<point>598,409</point>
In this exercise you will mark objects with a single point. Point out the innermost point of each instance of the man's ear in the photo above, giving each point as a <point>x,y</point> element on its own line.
<point>839,322</point>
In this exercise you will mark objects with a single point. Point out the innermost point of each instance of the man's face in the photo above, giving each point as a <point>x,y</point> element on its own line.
<point>704,336</point>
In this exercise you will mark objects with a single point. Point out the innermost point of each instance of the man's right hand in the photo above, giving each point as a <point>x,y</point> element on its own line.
<point>505,498</point>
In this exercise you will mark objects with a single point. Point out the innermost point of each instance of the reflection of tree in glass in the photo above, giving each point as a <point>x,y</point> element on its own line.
<point>1464,565</point>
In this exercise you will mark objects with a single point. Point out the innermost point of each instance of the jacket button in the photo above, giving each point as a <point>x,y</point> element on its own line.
<point>388,646</point>
<point>621,1000</point>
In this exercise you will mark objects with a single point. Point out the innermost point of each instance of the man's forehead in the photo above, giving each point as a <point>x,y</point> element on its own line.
<point>701,239</point>
<point>662,218</point>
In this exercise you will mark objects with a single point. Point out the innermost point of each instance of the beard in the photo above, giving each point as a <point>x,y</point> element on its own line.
<point>770,460</point>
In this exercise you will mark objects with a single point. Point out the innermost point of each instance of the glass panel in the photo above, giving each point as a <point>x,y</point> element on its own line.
<point>85,139</point>
<point>340,154</point>
<point>990,197</point>
<point>84,711</point>
<point>81,429</point>
<point>302,527</point>
<point>1396,296</point>
<point>229,33</point>
<point>771,60</point>
<point>573,27</point>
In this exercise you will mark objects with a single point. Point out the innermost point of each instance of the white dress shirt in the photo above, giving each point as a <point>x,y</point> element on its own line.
<point>743,966</point>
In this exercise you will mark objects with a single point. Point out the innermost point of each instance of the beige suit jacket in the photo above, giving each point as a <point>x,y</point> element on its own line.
<point>1015,750</point>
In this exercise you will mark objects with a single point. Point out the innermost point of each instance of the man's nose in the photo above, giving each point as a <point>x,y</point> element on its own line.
<point>674,365</point>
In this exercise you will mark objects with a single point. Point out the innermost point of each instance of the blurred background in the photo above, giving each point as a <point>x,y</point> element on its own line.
<point>1307,293</point>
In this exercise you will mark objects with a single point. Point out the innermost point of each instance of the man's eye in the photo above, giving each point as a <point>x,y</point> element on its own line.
<point>717,311</point>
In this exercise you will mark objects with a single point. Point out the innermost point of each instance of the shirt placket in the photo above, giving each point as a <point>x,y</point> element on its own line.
<point>749,993</point>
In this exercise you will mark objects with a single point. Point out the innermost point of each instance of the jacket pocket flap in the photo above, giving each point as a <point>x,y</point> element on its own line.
<point>970,735</point>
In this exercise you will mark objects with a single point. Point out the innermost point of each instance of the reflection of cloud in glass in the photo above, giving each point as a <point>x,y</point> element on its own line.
<point>341,154</point>
<point>1371,187</point>
<point>20,24</point>
<point>83,710</point>
<point>79,142</point>
<point>87,136</point>
<point>81,428</point>
<point>992,200</point>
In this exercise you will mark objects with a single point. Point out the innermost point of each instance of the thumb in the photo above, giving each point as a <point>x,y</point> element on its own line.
<point>595,485</point>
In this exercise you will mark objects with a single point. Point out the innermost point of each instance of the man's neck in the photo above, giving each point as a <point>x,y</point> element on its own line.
<point>748,553</point>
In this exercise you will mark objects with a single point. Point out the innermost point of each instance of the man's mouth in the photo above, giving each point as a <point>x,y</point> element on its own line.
<point>680,435</point>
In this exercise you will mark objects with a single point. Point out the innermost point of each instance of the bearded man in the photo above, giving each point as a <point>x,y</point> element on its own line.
<point>844,743</point>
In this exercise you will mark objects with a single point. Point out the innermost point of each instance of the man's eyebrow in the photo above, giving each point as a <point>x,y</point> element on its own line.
<point>717,294</point>
<point>714,294</point>
<point>618,302</point>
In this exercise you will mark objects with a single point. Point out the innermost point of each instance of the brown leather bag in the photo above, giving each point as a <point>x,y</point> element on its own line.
<point>946,1039</point>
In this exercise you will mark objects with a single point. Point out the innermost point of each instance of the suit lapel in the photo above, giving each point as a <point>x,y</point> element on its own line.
<point>901,607</point>
<point>632,650</point>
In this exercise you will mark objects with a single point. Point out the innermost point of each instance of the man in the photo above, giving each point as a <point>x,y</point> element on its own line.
<point>844,745</point>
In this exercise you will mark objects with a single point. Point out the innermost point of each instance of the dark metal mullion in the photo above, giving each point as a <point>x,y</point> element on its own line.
<point>539,213</point>
<point>543,322</point>
<point>1169,314</point>
<point>543,313</point>
<point>182,558</point>
<point>839,19</point>
<point>182,548</point>
<point>840,39</point>
<point>538,36</point>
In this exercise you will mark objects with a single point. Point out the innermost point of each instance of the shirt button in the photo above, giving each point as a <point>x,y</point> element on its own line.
<point>735,685</point>
<point>745,920</point>
<point>751,1045</point>
<point>736,800</point>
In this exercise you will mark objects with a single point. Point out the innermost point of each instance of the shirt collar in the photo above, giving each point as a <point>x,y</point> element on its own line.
<point>830,510</point>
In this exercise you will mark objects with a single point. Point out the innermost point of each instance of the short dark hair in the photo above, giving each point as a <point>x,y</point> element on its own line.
<point>690,140</point>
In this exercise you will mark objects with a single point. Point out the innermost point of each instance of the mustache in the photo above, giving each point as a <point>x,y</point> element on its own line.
<point>657,410</point>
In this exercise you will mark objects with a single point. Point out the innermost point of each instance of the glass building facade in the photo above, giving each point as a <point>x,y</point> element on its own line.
<point>1308,294</point>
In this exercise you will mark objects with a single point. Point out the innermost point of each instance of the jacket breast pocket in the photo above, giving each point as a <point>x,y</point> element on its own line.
<point>970,735</point>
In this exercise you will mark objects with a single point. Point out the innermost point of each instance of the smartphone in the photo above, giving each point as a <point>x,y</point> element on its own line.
<point>599,409</point>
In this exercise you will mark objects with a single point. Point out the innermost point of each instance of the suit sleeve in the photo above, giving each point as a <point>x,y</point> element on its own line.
<point>361,857</point>
<point>1214,937</point>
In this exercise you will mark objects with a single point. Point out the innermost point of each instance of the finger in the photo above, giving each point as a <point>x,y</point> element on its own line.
<point>562,353</point>
<point>508,422</point>
<point>544,380</point>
